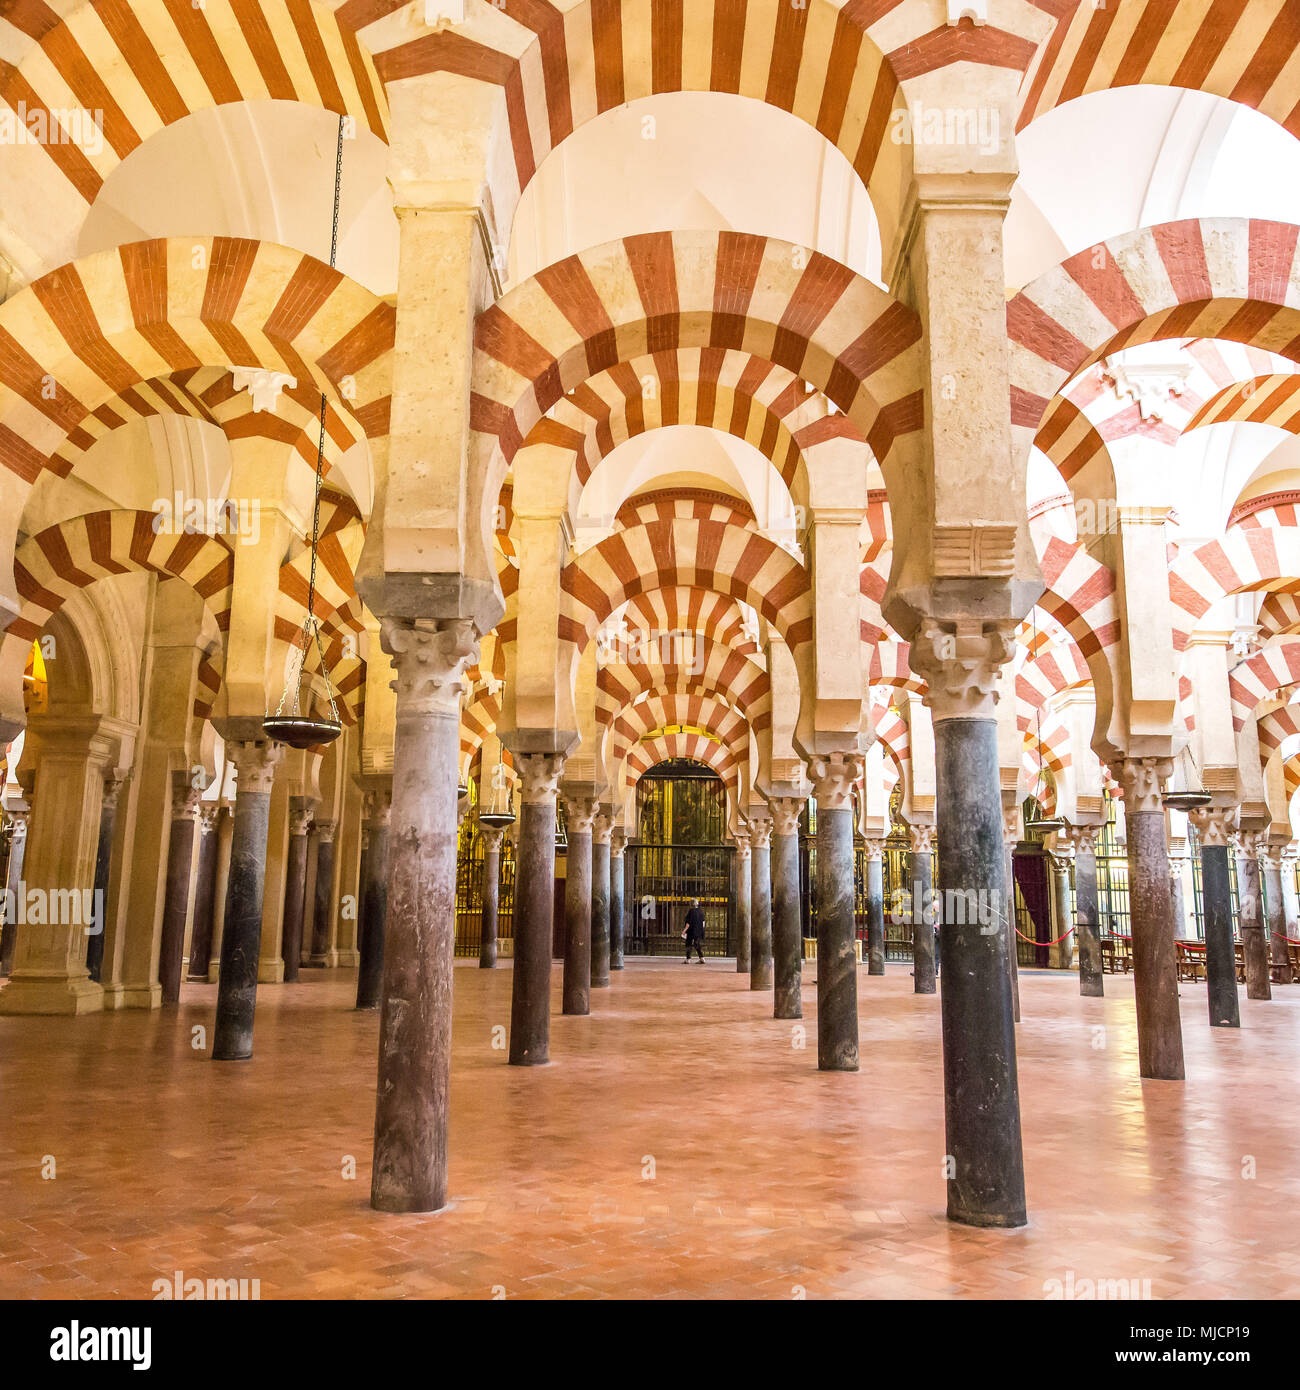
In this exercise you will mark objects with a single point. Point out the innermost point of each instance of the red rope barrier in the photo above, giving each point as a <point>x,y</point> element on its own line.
<point>1033,941</point>
<point>1282,936</point>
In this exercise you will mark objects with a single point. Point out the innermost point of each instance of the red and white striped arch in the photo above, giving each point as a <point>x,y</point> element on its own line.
<point>666,291</point>
<point>1279,615</point>
<point>1269,400</point>
<point>84,334</point>
<point>1242,51</point>
<point>889,667</point>
<point>1246,558</point>
<point>1261,676</point>
<point>721,672</point>
<point>659,711</point>
<point>685,608</point>
<point>699,747</point>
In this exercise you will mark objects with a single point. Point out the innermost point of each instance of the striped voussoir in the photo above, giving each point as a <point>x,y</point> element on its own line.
<point>1275,727</point>
<point>880,529</point>
<point>1270,509</point>
<point>1215,277</point>
<point>1246,558</point>
<point>1080,596</point>
<point>480,717</point>
<point>684,608</point>
<point>560,64</point>
<point>895,737</point>
<point>700,748</point>
<point>661,711</point>
<point>664,291</point>
<point>1240,49</point>
<point>718,671</point>
<point>889,667</point>
<point>88,333</point>
<point>74,554</point>
<point>1268,400</point>
<point>1279,615</point>
<point>708,552</point>
<point>1260,677</point>
<point>873,580</point>
<point>142,65</point>
<point>1054,668</point>
<point>1049,753</point>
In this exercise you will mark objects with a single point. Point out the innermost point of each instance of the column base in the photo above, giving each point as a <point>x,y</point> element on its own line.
<point>146,996</point>
<point>113,998</point>
<point>347,960</point>
<point>1001,1221</point>
<point>51,994</point>
<point>270,972</point>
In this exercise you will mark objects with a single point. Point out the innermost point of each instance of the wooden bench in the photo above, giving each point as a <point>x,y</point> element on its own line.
<point>1117,954</point>
<point>1190,960</point>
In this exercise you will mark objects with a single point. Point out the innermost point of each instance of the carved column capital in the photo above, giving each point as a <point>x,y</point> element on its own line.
<point>1251,842</point>
<point>741,837</point>
<point>539,777</point>
<point>377,807</point>
<point>1081,838</point>
<point>617,842</point>
<point>960,662</point>
<point>255,765</point>
<point>325,831</point>
<point>185,797</point>
<point>17,819</point>
<point>300,812</point>
<point>1175,869</point>
<point>579,813</point>
<point>1140,780</point>
<point>1215,825</point>
<point>873,851</point>
<point>833,777</point>
<point>112,792</point>
<point>602,828</point>
<point>922,838</point>
<point>760,832</point>
<point>1272,857</point>
<point>210,816</point>
<point>430,657</point>
<point>1011,828</point>
<point>491,835</point>
<point>786,811</point>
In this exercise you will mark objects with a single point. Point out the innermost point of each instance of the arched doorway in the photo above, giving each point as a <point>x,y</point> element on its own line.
<point>680,853</point>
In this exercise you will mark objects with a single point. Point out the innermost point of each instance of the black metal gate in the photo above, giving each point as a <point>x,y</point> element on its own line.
<point>663,881</point>
<point>469,893</point>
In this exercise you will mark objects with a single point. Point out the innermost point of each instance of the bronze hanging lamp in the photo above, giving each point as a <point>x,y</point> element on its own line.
<point>1190,798</point>
<point>291,724</point>
<point>500,812</point>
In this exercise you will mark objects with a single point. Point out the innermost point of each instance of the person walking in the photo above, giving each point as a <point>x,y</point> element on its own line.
<point>694,932</point>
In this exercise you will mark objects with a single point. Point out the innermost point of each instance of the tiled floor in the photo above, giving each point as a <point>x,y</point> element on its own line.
<point>681,1144</point>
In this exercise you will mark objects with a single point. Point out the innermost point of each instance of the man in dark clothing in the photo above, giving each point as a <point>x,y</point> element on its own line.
<point>694,932</point>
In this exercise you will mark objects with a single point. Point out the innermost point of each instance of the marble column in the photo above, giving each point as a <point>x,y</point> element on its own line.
<point>176,898</point>
<point>18,814</point>
<point>409,1172</point>
<point>579,813</point>
<point>1010,839</point>
<point>530,1000</point>
<point>1215,825</point>
<point>617,883</point>
<point>986,1181</point>
<point>744,893</point>
<point>490,892</point>
<point>875,891</point>
<point>833,777</point>
<point>205,890</point>
<point>241,932</point>
<point>601,829</point>
<point>295,885</point>
<point>1087,918</point>
<point>760,904</point>
<point>1254,930</point>
<point>103,871</point>
<point>1151,912</point>
<point>377,806</point>
<point>1176,863</point>
<point>1064,948</point>
<point>322,917</point>
<point>920,884</point>
<point>1274,867</point>
<point>1290,904</point>
<point>787,927</point>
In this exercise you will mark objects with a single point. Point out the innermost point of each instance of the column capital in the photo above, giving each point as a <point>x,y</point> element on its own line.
<point>210,816</point>
<point>325,831</point>
<point>617,842</point>
<point>1081,838</point>
<point>960,662</point>
<point>833,777</point>
<point>255,764</point>
<point>873,851</point>
<point>1175,868</point>
<point>491,835</point>
<point>1010,827</point>
<point>1215,825</point>
<point>112,792</point>
<point>741,837</point>
<point>1140,780</point>
<point>377,807</point>
<point>602,828</point>
<point>1251,842</point>
<point>539,776</point>
<point>922,838</point>
<point>185,797</point>
<point>760,832</point>
<point>430,657</point>
<point>786,811</point>
<point>579,813</point>
<point>300,813</point>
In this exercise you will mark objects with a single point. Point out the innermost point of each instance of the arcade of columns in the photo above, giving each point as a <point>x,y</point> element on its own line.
<point>936,624</point>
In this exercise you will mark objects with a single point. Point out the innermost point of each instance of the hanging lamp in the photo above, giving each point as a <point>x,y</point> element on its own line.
<point>1189,799</point>
<point>499,813</point>
<point>1045,825</point>
<point>292,725</point>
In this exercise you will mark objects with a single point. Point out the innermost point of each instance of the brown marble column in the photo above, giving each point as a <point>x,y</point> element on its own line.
<point>103,872</point>
<point>377,805</point>
<point>18,815</point>
<point>205,890</point>
<point>490,893</point>
<point>176,900</point>
<point>1151,912</point>
<point>1215,826</point>
<point>760,903</point>
<point>579,813</point>
<point>1274,867</point>
<point>295,885</point>
<point>601,829</point>
<point>617,896</point>
<point>409,1172</point>
<point>241,934</point>
<point>787,926</point>
<point>1083,839</point>
<point>1254,929</point>
<point>322,917</point>
<point>833,777</point>
<point>744,890</point>
<point>530,999</point>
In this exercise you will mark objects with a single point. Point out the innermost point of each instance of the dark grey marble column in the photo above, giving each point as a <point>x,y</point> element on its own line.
<point>601,829</point>
<point>241,934</point>
<point>1274,867</point>
<point>1214,825</point>
<point>875,894</point>
<point>490,892</point>
<point>103,871</point>
<point>530,1003</point>
<point>1254,931</point>
<point>376,815</point>
<point>1151,912</point>
<point>787,927</point>
<point>1176,895</point>
<point>986,1180</point>
<point>1060,871</point>
<point>409,1172</point>
<point>760,905</point>
<point>322,917</point>
<point>579,812</point>
<point>176,896</point>
<point>837,966</point>
<point>617,883</point>
<point>295,886</point>
<point>920,885</point>
<point>1086,914</point>
<point>1010,839</point>
<point>744,891</point>
<point>19,814</point>
<point>205,890</point>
